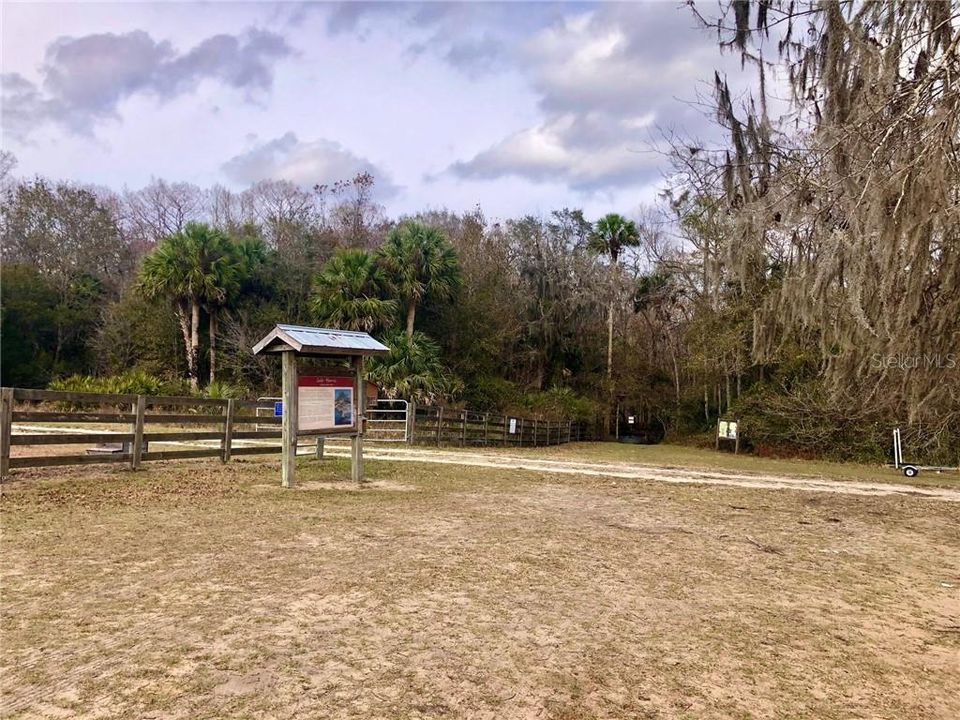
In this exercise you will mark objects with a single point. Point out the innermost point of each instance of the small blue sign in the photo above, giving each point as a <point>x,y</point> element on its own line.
<point>278,409</point>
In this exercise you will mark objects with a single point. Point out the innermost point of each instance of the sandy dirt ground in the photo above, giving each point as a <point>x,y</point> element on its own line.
<point>193,590</point>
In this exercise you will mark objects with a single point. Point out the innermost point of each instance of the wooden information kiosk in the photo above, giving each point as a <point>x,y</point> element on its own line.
<point>328,402</point>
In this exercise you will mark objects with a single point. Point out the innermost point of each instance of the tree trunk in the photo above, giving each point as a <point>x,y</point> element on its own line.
<point>676,376</point>
<point>606,428</point>
<point>182,312</point>
<point>214,323</point>
<point>194,349</point>
<point>610,340</point>
<point>59,346</point>
<point>411,315</point>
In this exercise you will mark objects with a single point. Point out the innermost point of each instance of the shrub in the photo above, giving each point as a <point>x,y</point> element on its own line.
<point>414,370</point>
<point>132,382</point>
<point>804,421</point>
<point>561,402</point>
<point>489,393</point>
<point>222,390</point>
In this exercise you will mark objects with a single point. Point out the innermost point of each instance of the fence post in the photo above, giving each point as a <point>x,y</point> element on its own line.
<point>534,432</point>
<point>569,430</point>
<point>463,428</point>
<point>439,423</point>
<point>411,422</point>
<point>6,429</point>
<point>506,429</point>
<point>320,444</point>
<point>140,408</point>
<point>486,418</point>
<point>228,431</point>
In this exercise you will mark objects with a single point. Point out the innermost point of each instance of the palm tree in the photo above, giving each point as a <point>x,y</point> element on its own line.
<point>348,293</point>
<point>232,263</point>
<point>611,234</point>
<point>165,275</point>
<point>219,277</point>
<point>420,263</point>
<point>196,267</point>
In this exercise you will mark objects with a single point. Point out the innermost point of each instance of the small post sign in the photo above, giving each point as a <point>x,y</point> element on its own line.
<point>728,430</point>
<point>512,426</point>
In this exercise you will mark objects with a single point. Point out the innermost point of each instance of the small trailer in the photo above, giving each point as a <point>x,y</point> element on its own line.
<point>913,469</point>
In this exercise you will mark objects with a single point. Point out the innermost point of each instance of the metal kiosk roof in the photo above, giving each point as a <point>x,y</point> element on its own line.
<point>319,341</point>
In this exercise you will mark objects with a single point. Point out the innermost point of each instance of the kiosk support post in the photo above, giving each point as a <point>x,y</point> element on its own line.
<point>359,394</point>
<point>290,413</point>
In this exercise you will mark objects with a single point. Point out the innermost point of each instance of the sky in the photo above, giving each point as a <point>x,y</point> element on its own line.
<point>517,107</point>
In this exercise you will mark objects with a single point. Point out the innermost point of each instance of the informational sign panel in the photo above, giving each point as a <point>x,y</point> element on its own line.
<point>513,426</point>
<point>326,402</point>
<point>727,429</point>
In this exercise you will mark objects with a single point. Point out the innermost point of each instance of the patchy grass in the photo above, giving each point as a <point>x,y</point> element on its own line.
<point>200,590</point>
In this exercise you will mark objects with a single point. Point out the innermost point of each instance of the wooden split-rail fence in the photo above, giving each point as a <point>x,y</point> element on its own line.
<point>221,428</point>
<point>431,425</point>
<point>226,421</point>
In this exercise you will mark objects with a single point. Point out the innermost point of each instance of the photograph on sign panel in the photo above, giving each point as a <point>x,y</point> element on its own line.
<point>343,406</point>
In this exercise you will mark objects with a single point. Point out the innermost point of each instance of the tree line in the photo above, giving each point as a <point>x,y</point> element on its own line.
<point>803,276</point>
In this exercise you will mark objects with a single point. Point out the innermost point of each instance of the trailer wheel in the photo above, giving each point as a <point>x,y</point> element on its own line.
<point>911,471</point>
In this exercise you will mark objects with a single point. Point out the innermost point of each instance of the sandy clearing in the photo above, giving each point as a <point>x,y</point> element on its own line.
<point>200,590</point>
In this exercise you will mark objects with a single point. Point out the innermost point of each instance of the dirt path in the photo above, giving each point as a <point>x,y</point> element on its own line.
<point>630,471</point>
<point>626,471</point>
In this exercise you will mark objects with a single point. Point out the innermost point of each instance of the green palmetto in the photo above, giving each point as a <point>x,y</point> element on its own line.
<point>419,263</point>
<point>348,293</point>
<point>413,369</point>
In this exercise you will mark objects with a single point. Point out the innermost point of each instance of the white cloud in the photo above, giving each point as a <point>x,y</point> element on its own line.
<point>606,80</point>
<point>305,163</point>
<point>558,150</point>
<point>85,78</point>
